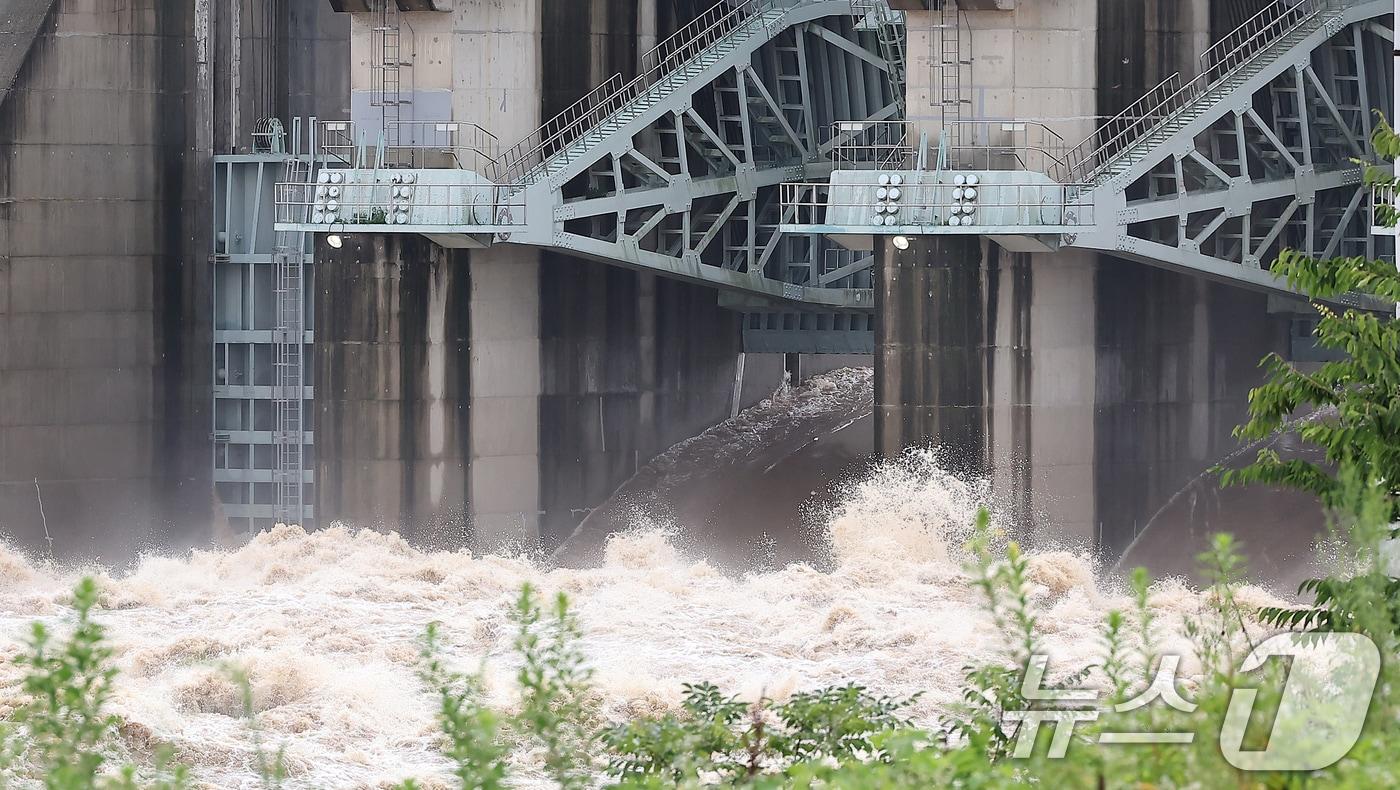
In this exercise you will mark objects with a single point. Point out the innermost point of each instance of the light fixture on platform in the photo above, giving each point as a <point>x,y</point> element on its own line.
<point>900,242</point>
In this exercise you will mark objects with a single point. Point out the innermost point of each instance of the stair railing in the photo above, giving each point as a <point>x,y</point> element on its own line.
<point>522,164</point>
<point>1087,162</point>
<point>890,25</point>
<point>1257,34</point>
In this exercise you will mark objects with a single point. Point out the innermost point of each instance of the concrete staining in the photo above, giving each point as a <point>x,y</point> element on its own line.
<point>574,373</point>
<point>20,22</point>
<point>1089,389</point>
<point>100,352</point>
<point>931,349</point>
<point>1177,358</point>
<point>499,394</point>
<point>634,366</point>
<point>392,377</point>
<point>105,144</point>
<point>975,357</point>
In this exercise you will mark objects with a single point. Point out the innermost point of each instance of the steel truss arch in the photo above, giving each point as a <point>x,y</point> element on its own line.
<point>1276,161</point>
<point>685,181</point>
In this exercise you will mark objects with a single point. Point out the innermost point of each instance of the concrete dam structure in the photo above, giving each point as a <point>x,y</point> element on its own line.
<point>460,268</point>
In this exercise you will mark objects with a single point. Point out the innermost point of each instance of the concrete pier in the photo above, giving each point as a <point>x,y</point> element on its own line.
<point>1088,389</point>
<point>393,327</point>
<point>932,350</point>
<point>570,374</point>
<point>103,357</point>
<point>505,397</point>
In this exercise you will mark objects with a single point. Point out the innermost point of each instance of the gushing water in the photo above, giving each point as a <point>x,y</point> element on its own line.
<point>327,625</point>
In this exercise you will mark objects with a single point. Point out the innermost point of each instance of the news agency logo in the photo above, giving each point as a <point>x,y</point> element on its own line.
<point>1330,681</point>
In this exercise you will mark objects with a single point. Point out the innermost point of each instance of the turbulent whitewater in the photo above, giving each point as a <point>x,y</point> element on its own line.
<point>327,624</point>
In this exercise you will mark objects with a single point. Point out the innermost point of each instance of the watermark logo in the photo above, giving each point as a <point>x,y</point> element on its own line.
<point>1322,708</point>
<point>1319,719</point>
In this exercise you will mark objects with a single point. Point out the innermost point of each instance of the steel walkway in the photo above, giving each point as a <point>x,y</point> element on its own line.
<point>1258,153</point>
<point>761,150</point>
<point>675,171</point>
<point>1263,149</point>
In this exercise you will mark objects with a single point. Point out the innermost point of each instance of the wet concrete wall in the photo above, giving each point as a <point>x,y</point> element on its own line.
<point>1226,15</point>
<point>1177,355</point>
<point>103,354</point>
<point>631,363</point>
<point>392,377</point>
<point>1087,388</point>
<point>932,349</point>
<point>1177,358</point>
<point>318,49</point>
<point>291,60</point>
<point>970,360</point>
<point>105,146</point>
<point>1022,389</point>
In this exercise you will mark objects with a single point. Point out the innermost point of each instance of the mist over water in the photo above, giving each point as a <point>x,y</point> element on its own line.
<point>327,625</point>
<point>742,492</point>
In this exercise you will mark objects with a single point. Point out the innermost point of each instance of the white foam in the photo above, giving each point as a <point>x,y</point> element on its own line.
<point>327,623</point>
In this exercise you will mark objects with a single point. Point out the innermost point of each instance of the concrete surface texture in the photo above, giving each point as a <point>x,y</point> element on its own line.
<point>20,22</point>
<point>998,359</point>
<point>1100,387</point>
<point>107,131</point>
<point>96,300</point>
<point>578,372</point>
<point>392,373</point>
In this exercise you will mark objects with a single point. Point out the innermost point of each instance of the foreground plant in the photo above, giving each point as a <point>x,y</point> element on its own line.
<point>1358,430</point>
<point>556,709</point>
<point>1356,396</point>
<point>472,730</point>
<point>736,742</point>
<point>61,736</point>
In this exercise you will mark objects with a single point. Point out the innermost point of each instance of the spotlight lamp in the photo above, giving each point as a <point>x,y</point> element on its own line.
<point>336,239</point>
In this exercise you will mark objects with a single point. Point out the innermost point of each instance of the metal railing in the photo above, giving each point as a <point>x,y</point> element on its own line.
<point>524,162</point>
<point>981,145</point>
<point>337,141</point>
<point>890,31</point>
<point>438,144</point>
<point>340,206</point>
<point>875,205</point>
<point>1219,64</point>
<point>1385,209</point>
<point>1257,34</point>
<point>874,145</point>
<point>1006,145</point>
<point>411,144</point>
